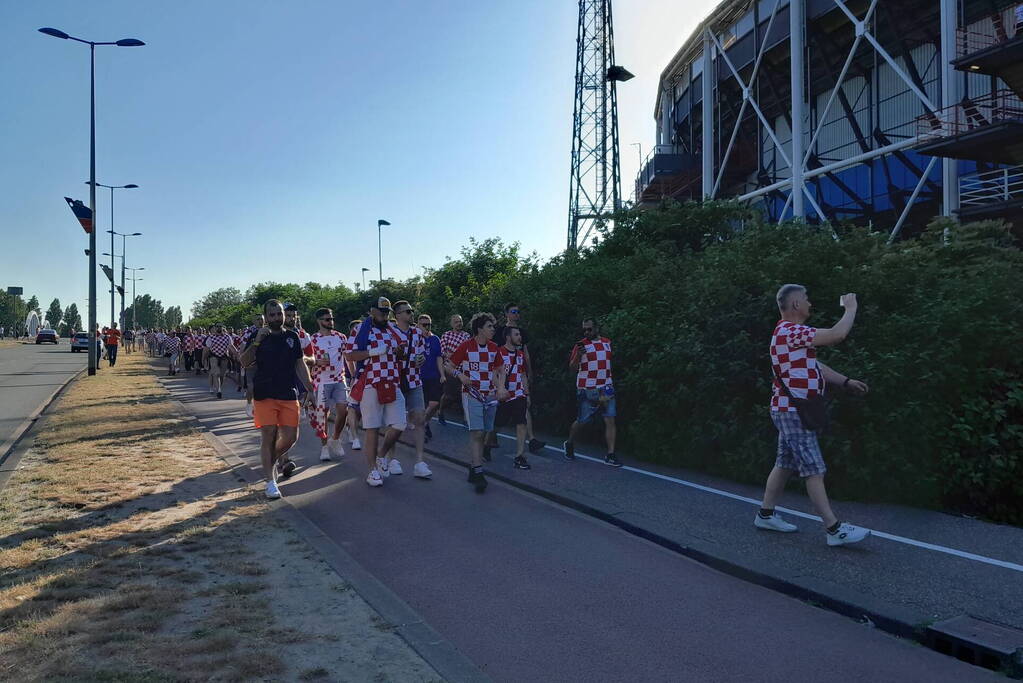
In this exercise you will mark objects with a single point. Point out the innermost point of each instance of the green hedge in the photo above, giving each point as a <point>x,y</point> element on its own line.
<point>686,293</point>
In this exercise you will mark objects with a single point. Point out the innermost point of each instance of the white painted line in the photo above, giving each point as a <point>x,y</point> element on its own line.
<point>796,513</point>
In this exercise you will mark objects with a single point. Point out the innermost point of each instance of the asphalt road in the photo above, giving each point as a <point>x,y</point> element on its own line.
<point>531,591</point>
<point>28,375</point>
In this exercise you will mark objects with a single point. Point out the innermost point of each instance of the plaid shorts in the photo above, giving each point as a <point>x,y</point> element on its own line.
<point>797,448</point>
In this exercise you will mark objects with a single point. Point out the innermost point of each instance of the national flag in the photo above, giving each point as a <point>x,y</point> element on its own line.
<point>109,272</point>
<point>82,213</point>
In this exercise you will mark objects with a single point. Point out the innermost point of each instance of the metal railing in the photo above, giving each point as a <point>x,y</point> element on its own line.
<point>1003,29</point>
<point>991,187</point>
<point>971,114</point>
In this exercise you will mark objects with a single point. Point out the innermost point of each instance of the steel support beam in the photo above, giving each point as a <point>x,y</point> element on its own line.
<point>797,50</point>
<point>707,126</point>
<point>949,97</point>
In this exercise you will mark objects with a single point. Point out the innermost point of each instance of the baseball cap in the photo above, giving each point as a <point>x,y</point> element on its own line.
<point>383,304</point>
<point>288,306</point>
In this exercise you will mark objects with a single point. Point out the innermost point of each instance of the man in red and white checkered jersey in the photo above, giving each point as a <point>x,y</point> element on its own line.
<point>798,374</point>
<point>477,365</point>
<point>411,389</point>
<point>449,342</point>
<point>591,359</point>
<point>382,351</point>
<point>188,348</point>
<point>217,351</point>
<point>327,368</point>
<point>512,412</point>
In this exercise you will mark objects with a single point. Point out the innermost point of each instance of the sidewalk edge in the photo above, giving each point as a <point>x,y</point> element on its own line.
<point>438,652</point>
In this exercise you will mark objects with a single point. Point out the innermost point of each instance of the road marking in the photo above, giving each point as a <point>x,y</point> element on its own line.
<point>745,499</point>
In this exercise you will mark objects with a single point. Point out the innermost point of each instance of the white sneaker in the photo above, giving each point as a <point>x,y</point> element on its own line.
<point>324,453</point>
<point>248,409</point>
<point>847,533</point>
<point>774,523</point>
<point>356,445</point>
<point>394,467</point>
<point>335,447</point>
<point>272,492</point>
<point>382,467</point>
<point>374,479</point>
<point>422,470</point>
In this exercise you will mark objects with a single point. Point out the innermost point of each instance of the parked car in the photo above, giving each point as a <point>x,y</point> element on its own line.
<point>80,342</point>
<point>47,336</point>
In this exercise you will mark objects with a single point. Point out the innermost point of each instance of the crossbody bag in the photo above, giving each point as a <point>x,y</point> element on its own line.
<point>813,412</point>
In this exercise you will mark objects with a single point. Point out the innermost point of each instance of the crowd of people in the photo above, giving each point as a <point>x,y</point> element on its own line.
<point>390,373</point>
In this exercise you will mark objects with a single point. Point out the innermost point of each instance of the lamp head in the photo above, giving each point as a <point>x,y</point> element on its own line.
<point>129,42</point>
<point>130,186</point>
<point>135,234</point>
<point>54,32</point>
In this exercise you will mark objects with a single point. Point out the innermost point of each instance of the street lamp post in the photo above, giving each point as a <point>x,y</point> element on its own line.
<point>380,249</point>
<point>134,300</point>
<point>129,186</point>
<point>124,42</point>
<point>364,271</point>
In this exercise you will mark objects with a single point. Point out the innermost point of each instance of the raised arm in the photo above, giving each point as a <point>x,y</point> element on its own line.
<point>837,334</point>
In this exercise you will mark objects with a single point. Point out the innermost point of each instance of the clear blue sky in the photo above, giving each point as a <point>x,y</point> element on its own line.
<point>268,137</point>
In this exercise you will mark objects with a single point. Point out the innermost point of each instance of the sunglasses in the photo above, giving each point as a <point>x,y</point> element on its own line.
<point>514,310</point>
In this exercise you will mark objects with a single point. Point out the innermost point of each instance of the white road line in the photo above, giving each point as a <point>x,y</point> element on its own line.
<point>796,513</point>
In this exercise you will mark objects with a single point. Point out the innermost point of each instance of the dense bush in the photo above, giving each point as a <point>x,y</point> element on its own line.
<point>686,294</point>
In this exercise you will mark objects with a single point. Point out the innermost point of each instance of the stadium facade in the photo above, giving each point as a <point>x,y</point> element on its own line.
<point>883,112</point>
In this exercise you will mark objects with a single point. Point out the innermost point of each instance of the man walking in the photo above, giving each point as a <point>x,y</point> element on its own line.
<point>799,375</point>
<point>513,318</point>
<point>477,365</point>
<point>111,340</point>
<point>329,388</point>
<point>512,411</point>
<point>591,359</point>
<point>173,348</point>
<point>382,350</point>
<point>449,343</point>
<point>277,357</point>
<point>216,354</point>
<point>432,372</point>
<point>411,389</point>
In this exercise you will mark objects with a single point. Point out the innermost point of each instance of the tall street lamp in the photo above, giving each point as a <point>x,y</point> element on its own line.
<point>129,186</point>
<point>134,300</point>
<point>124,42</point>
<point>364,271</point>
<point>380,249</point>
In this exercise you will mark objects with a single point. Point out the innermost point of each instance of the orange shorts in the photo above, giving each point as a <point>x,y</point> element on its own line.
<point>272,411</point>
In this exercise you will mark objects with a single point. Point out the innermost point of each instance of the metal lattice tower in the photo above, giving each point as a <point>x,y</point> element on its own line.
<point>595,185</point>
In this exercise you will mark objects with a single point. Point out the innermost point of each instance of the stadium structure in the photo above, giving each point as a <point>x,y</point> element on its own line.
<point>880,112</point>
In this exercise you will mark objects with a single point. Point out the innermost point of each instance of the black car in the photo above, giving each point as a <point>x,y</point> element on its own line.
<point>47,336</point>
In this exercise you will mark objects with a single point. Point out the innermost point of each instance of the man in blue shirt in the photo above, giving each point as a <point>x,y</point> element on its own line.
<point>432,371</point>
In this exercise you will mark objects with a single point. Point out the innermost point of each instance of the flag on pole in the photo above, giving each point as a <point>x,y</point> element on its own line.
<point>82,213</point>
<point>108,271</point>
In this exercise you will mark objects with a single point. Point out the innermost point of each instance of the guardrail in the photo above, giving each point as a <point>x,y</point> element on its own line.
<point>1006,28</point>
<point>972,114</point>
<point>991,187</point>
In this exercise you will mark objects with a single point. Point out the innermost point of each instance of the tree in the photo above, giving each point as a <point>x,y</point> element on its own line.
<point>148,312</point>
<point>54,314</point>
<point>219,298</point>
<point>172,316</point>
<point>72,320</point>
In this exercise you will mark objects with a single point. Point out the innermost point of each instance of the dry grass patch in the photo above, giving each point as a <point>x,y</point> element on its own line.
<point>130,552</point>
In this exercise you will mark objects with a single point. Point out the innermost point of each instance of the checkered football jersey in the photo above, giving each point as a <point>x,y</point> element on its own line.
<point>219,344</point>
<point>171,344</point>
<point>795,359</point>
<point>385,367</point>
<point>249,334</point>
<point>236,339</point>
<point>595,365</point>
<point>417,344</point>
<point>305,341</point>
<point>479,363</point>
<point>451,340</point>
<point>515,365</point>
<point>189,342</point>
<point>332,345</point>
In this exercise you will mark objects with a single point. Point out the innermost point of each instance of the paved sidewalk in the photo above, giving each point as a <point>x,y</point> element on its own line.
<point>884,577</point>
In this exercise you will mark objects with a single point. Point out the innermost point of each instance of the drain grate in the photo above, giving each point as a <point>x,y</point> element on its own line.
<point>982,643</point>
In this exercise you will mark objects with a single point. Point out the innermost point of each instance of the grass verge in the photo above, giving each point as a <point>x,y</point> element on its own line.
<point>130,551</point>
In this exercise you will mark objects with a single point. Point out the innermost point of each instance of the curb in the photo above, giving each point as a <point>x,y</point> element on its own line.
<point>8,446</point>
<point>437,651</point>
<point>871,617</point>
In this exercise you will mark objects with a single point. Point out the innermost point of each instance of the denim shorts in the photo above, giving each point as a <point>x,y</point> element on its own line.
<point>333,394</point>
<point>798,448</point>
<point>590,406</point>
<point>479,416</point>
<point>414,400</point>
